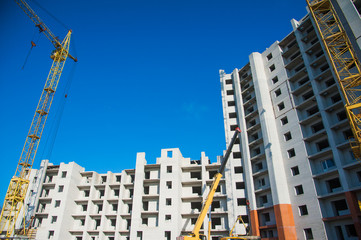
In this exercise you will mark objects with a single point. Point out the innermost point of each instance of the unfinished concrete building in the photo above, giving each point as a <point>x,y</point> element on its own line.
<point>302,179</point>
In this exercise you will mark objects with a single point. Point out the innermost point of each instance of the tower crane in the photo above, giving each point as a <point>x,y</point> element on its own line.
<point>16,193</point>
<point>344,61</point>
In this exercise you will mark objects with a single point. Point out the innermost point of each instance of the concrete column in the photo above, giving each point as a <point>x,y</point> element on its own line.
<point>277,176</point>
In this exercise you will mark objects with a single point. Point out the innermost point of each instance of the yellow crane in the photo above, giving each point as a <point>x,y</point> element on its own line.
<point>16,193</point>
<point>344,61</point>
<point>195,235</point>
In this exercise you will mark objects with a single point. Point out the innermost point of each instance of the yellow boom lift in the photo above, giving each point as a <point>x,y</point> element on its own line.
<point>16,193</point>
<point>195,235</point>
<point>344,61</point>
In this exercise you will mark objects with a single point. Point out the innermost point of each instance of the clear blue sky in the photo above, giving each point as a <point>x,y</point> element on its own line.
<point>147,76</point>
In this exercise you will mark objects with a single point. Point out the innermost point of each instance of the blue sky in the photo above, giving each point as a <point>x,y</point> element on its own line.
<point>147,76</point>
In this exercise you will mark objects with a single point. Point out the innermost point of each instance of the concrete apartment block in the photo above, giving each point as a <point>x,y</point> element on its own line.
<point>302,180</point>
<point>152,201</point>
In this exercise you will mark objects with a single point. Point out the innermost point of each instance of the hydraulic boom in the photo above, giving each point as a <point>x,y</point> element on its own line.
<point>195,235</point>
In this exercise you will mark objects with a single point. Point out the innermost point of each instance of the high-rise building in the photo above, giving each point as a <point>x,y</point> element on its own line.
<point>152,201</point>
<point>302,179</point>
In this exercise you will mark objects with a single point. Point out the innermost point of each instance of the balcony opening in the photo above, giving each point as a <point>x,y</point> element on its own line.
<point>215,204</point>
<point>348,134</point>
<point>197,175</point>
<point>341,115</point>
<point>240,185</point>
<point>334,185</point>
<point>104,179</point>
<point>146,206</point>
<point>231,103</point>
<point>321,145</point>
<point>312,111</point>
<point>146,190</point>
<point>340,207</point>
<point>229,81</point>
<point>232,115</point>
<point>241,202</point>
<point>330,82</point>
<point>303,81</point>
<point>118,178</point>
<point>336,98</point>
<point>263,199</point>
<point>238,169</point>
<point>230,92</point>
<point>307,95</point>
<point>216,222</point>
<point>259,166</point>
<point>196,205</point>
<point>167,235</point>
<point>211,174</point>
<point>197,190</point>
<point>317,127</point>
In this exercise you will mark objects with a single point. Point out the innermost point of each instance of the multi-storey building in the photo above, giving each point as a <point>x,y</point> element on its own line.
<point>152,201</point>
<point>302,179</point>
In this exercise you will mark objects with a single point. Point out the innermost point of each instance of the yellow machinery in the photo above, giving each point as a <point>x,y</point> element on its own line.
<point>344,61</point>
<point>232,236</point>
<point>195,235</point>
<point>18,186</point>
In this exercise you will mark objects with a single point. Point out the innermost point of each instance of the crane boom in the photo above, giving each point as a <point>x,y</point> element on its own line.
<point>41,25</point>
<point>217,177</point>
<point>16,193</point>
<point>344,61</point>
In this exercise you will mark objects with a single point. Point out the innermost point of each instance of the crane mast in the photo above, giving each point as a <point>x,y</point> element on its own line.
<point>344,61</point>
<point>16,193</point>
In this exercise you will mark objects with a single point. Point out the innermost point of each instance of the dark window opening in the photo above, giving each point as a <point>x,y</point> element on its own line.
<point>341,115</point>
<point>333,184</point>
<point>281,106</point>
<point>317,127</point>
<point>238,169</point>
<point>295,171</point>
<point>336,98</point>
<point>269,56</point>
<point>321,145</point>
<point>284,120</point>
<point>303,210</point>
<point>240,185</point>
<point>312,110</point>
<point>231,103</point>
<point>291,153</point>
<point>340,207</point>
<point>196,175</point>
<point>275,80</point>
<point>196,205</point>
<point>197,190</point>
<point>299,190</point>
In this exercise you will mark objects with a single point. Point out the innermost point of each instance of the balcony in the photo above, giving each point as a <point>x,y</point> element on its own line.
<point>306,103</point>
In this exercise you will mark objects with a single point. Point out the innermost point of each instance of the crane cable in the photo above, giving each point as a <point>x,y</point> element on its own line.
<point>53,132</point>
<point>33,44</point>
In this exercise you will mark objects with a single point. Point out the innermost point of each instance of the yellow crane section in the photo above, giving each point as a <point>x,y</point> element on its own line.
<point>16,193</point>
<point>344,61</point>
